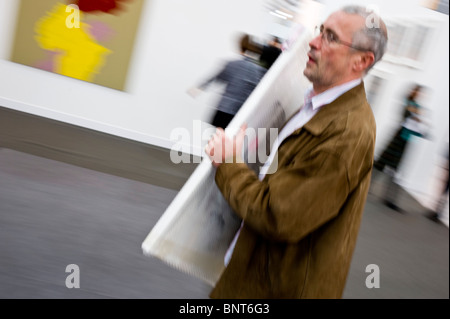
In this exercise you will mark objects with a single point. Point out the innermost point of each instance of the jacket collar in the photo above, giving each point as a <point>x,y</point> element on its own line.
<point>330,95</point>
<point>343,104</point>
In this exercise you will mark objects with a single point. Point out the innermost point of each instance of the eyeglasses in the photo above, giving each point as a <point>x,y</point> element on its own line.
<point>329,37</point>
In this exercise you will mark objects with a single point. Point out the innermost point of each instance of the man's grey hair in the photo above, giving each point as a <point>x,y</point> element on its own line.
<point>373,37</point>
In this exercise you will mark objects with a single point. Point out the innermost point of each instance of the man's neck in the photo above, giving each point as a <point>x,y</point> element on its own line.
<point>330,94</point>
<point>318,89</point>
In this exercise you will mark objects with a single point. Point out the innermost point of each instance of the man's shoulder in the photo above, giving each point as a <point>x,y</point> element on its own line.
<point>349,112</point>
<point>360,119</point>
<point>358,110</point>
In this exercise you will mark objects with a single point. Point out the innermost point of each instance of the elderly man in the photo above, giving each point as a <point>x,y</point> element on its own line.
<point>301,223</point>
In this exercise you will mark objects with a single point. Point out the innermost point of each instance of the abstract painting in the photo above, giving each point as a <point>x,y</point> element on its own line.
<point>89,40</point>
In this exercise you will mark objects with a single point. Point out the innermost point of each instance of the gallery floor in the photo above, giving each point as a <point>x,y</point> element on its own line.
<point>54,214</point>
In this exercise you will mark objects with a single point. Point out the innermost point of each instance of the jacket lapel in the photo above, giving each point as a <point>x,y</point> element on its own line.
<point>328,113</point>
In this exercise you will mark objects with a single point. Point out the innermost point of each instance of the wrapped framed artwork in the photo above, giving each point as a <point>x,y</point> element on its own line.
<point>89,40</point>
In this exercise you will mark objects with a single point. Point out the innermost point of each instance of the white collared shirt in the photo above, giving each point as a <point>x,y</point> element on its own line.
<point>312,105</point>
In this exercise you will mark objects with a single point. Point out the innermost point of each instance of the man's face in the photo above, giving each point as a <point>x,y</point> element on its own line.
<point>330,64</point>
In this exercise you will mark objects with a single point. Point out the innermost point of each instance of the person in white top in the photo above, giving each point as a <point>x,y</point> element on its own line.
<point>300,224</point>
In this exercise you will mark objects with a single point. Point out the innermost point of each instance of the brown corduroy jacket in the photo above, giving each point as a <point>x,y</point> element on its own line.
<point>301,223</point>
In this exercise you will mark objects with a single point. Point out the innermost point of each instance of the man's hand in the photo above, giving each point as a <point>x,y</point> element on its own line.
<point>221,149</point>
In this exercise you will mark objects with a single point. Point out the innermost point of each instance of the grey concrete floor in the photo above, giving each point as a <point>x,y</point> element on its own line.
<point>54,214</point>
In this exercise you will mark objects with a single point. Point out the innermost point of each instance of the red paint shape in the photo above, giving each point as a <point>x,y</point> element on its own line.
<point>98,5</point>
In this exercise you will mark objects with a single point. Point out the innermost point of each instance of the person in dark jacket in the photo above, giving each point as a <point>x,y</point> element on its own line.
<point>392,156</point>
<point>240,77</point>
<point>270,52</point>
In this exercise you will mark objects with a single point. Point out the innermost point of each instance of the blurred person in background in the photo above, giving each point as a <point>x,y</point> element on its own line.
<point>392,156</point>
<point>270,52</point>
<point>443,196</point>
<point>300,224</point>
<point>240,76</point>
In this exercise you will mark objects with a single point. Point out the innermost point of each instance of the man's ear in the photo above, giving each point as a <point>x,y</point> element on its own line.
<point>363,61</point>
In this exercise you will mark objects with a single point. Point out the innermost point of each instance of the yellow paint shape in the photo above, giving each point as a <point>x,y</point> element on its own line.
<point>80,56</point>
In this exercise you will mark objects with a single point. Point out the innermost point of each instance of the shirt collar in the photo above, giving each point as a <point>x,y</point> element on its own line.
<point>329,95</point>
